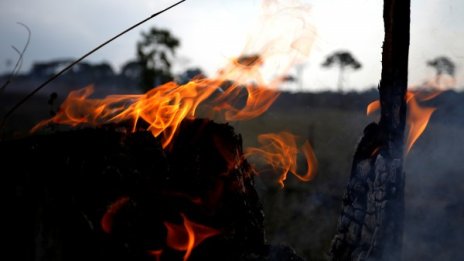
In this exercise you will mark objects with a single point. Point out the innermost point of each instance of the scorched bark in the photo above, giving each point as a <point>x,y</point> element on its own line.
<point>371,223</point>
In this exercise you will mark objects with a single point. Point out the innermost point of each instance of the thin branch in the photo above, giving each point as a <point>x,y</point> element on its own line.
<point>58,74</point>
<point>19,62</point>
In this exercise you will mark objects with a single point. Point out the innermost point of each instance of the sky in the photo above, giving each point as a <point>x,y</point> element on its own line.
<point>212,32</point>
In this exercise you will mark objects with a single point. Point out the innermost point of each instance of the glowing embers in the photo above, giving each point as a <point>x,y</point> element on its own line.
<point>280,151</point>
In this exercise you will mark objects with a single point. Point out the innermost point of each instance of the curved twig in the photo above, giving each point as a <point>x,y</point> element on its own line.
<point>19,62</point>
<point>58,74</point>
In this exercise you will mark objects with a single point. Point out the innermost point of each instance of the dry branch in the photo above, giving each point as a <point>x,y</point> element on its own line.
<point>58,74</point>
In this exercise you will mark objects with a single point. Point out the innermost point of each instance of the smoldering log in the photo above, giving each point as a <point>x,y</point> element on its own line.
<point>64,183</point>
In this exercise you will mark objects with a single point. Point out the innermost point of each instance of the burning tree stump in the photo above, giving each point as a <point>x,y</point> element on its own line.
<point>105,194</point>
<point>371,222</point>
<point>372,209</point>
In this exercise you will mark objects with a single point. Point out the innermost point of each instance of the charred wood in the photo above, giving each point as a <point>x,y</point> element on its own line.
<point>370,204</point>
<point>64,183</point>
<point>371,223</point>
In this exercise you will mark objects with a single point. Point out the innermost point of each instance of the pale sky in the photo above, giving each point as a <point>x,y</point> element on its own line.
<point>213,31</point>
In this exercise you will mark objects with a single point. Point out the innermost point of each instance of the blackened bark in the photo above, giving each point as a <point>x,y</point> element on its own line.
<point>393,88</point>
<point>393,85</point>
<point>371,223</point>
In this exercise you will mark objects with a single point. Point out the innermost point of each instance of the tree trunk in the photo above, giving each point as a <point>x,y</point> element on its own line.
<point>371,223</point>
<point>341,74</point>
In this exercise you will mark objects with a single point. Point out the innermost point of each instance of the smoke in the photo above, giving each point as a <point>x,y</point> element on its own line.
<point>434,187</point>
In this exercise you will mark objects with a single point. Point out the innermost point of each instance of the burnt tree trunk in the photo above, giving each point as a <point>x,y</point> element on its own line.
<point>371,223</point>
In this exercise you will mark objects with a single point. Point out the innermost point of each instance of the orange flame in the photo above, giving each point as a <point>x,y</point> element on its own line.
<point>372,107</point>
<point>418,117</point>
<point>162,108</point>
<point>259,99</point>
<point>187,236</point>
<point>280,151</point>
<point>251,79</point>
<point>165,107</point>
<point>107,219</point>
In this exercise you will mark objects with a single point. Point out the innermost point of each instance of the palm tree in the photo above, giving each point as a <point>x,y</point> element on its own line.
<point>342,59</point>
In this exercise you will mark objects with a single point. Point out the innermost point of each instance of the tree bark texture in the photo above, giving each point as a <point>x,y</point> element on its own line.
<point>371,223</point>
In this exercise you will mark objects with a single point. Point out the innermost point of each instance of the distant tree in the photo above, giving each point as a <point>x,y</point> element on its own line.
<point>343,60</point>
<point>155,53</point>
<point>442,65</point>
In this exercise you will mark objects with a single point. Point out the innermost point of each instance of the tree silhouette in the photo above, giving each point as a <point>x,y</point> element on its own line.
<point>442,65</point>
<point>154,54</point>
<point>343,60</point>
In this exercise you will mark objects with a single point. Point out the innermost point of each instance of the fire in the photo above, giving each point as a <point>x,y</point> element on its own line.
<point>280,151</point>
<point>183,237</point>
<point>164,107</point>
<point>251,79</point>
<point>418,117</point>
<point>372,107</point>
<point>259,99</point>
<point>107,219</point>
<point>187,236</point>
